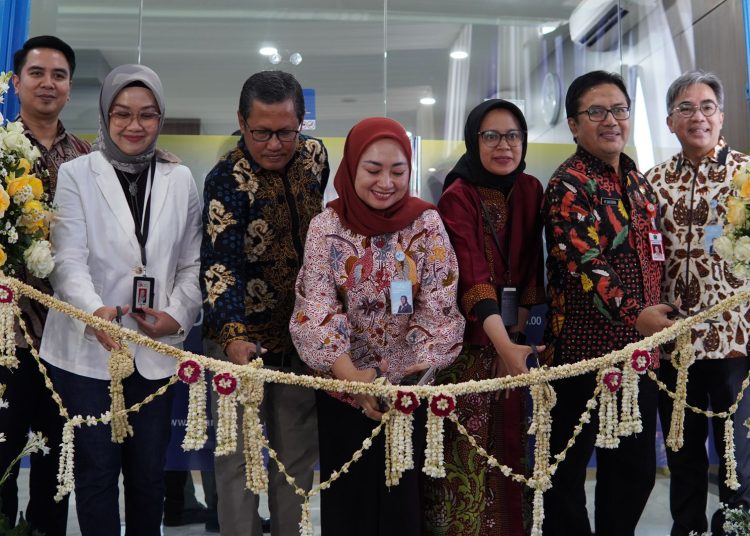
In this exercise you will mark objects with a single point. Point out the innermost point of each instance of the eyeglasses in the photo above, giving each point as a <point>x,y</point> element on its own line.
<point>492,138</point>
<point>598,113</point>
<point>123,117</point>
<point>283,135</point>
<point>688,109</point>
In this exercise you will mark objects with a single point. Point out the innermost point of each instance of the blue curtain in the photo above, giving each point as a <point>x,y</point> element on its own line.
<point>14,29</point>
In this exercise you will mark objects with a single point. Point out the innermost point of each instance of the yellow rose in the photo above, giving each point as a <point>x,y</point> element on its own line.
<point>16,185</point>
<point>741,177</point>
<point>4,201</point>
<point>736,211</point>
<point>745,191</point>
<point>25,166</point>
<point>3,256</point>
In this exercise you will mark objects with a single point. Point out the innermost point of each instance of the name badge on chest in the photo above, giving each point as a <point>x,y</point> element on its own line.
<point>656,241</point>
<point>401,298</point>
<point>143,293</point>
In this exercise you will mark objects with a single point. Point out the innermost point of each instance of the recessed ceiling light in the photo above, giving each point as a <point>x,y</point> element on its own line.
<point>459,54</point>
<point>428,101</point>
<point>431,170</point>
<point>268,51</point>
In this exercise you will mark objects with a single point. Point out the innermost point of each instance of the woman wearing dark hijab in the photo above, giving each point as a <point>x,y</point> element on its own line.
<point>127,217</point>
<point>372,246</point>
<point>491,212</point>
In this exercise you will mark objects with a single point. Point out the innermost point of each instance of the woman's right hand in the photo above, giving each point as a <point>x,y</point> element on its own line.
<point>108,313</point>
<point>510,360</point>
<point>368,403</point>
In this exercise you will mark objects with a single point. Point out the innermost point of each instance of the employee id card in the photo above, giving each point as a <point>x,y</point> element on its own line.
<point>401,298</point>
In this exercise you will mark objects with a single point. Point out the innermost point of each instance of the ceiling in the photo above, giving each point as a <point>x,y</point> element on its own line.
<point>204,52</point>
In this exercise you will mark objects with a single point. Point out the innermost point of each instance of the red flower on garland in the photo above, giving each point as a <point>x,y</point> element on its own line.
<point>613,380</point>
<point>225,383</point>
<point>189,371</point>
<point>442,405</point>
<point>6,294</point>
<point>640,361</point>
<point>406,402</point>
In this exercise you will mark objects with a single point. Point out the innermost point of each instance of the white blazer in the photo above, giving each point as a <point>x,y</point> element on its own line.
<point>97,255</point>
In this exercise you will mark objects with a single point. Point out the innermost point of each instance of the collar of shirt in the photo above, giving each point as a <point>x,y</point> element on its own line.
<point>60,136</point>
<point>711,157</point>
<point>600,167</point>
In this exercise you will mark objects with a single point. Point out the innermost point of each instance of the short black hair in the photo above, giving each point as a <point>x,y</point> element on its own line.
<point>585,82</point>
<point>43,41</point>
<point>272,87</point>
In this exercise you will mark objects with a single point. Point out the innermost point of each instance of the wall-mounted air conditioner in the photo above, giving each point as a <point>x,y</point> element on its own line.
<point>599,23</point>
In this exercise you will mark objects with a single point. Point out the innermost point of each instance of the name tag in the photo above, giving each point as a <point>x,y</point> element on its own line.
<point>656,240</point>
<point>401,299</point>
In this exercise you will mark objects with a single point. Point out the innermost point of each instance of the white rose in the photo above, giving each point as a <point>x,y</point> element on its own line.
<point>741,271</point>
<point>724,247</point>
<point>39,259</point>
<point>742,249</point>
<point>14,141</point>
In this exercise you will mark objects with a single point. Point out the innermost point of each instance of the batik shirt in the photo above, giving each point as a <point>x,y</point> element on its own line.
<point>343,297</point>
<point>64,148</point>
<point>600,275</point>
<point>693,211</point>
<point>254,227</point>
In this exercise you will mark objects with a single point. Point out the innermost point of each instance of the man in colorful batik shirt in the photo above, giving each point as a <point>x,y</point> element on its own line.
<point>604,281</point>
<point>693,187</point>
<point>259,200</point>
<point>42,79</point>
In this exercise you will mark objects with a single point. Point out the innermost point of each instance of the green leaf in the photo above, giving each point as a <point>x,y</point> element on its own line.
<point>620,238</point>
<point>590,254</point>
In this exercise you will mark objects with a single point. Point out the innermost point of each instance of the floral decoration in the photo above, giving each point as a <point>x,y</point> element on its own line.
<point>612,380</point>
<point>6,294</point>
<point>734,245</point>
<point>442,405</point>
<point>225,383</point>
<point>24,207</point>
<point>640,361</point>
<point>406,402</point>
<point>189,371</point>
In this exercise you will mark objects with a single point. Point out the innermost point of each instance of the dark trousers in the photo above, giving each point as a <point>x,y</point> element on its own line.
<point>624,476</point>
<point>359,502</point>
<point>713,383</point>
<point>98,461</point>
<point>30,406</point>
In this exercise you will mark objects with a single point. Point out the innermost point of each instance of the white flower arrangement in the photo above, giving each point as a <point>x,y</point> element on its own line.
<point>734,245</point>
<point>24,205</point>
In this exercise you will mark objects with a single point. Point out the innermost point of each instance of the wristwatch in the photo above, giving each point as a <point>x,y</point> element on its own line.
<point>180,332</point>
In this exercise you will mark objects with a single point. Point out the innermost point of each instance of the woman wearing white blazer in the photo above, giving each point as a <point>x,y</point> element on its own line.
<point>127,217</point>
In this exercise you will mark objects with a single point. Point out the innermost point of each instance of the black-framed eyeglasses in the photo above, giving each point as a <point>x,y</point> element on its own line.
<point>599,113</point>
<point>492,138</point>
<point>688,109</point>
<point>263,134</point>
<point>124,117</point>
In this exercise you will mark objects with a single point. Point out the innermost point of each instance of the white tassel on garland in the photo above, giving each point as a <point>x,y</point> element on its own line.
<point>7,327</point>
<point>65,478</point>
<point>607,437</point>
<point>682,358</point>
<point>399,452</point>
<point>226,429</point>
<point>544,399</point>
<point>630,412</point>
<point>305,523</point>
<point>256,476</point>
<point>434,460</point>
<point>729,459</point>
<point>196,431</point>
<point>121,366</point>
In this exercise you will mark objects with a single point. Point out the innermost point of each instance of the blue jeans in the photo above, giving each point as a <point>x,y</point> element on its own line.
<point>98,461</point>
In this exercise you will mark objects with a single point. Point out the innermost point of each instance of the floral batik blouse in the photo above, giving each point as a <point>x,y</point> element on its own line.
<point>344,297</point>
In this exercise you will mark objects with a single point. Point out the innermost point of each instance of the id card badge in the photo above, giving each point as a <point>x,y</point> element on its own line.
<point>711,233</point>
<point>656,240</point>
<point>509,306</point>
<point>143,293</point>
<point>401,299</point>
